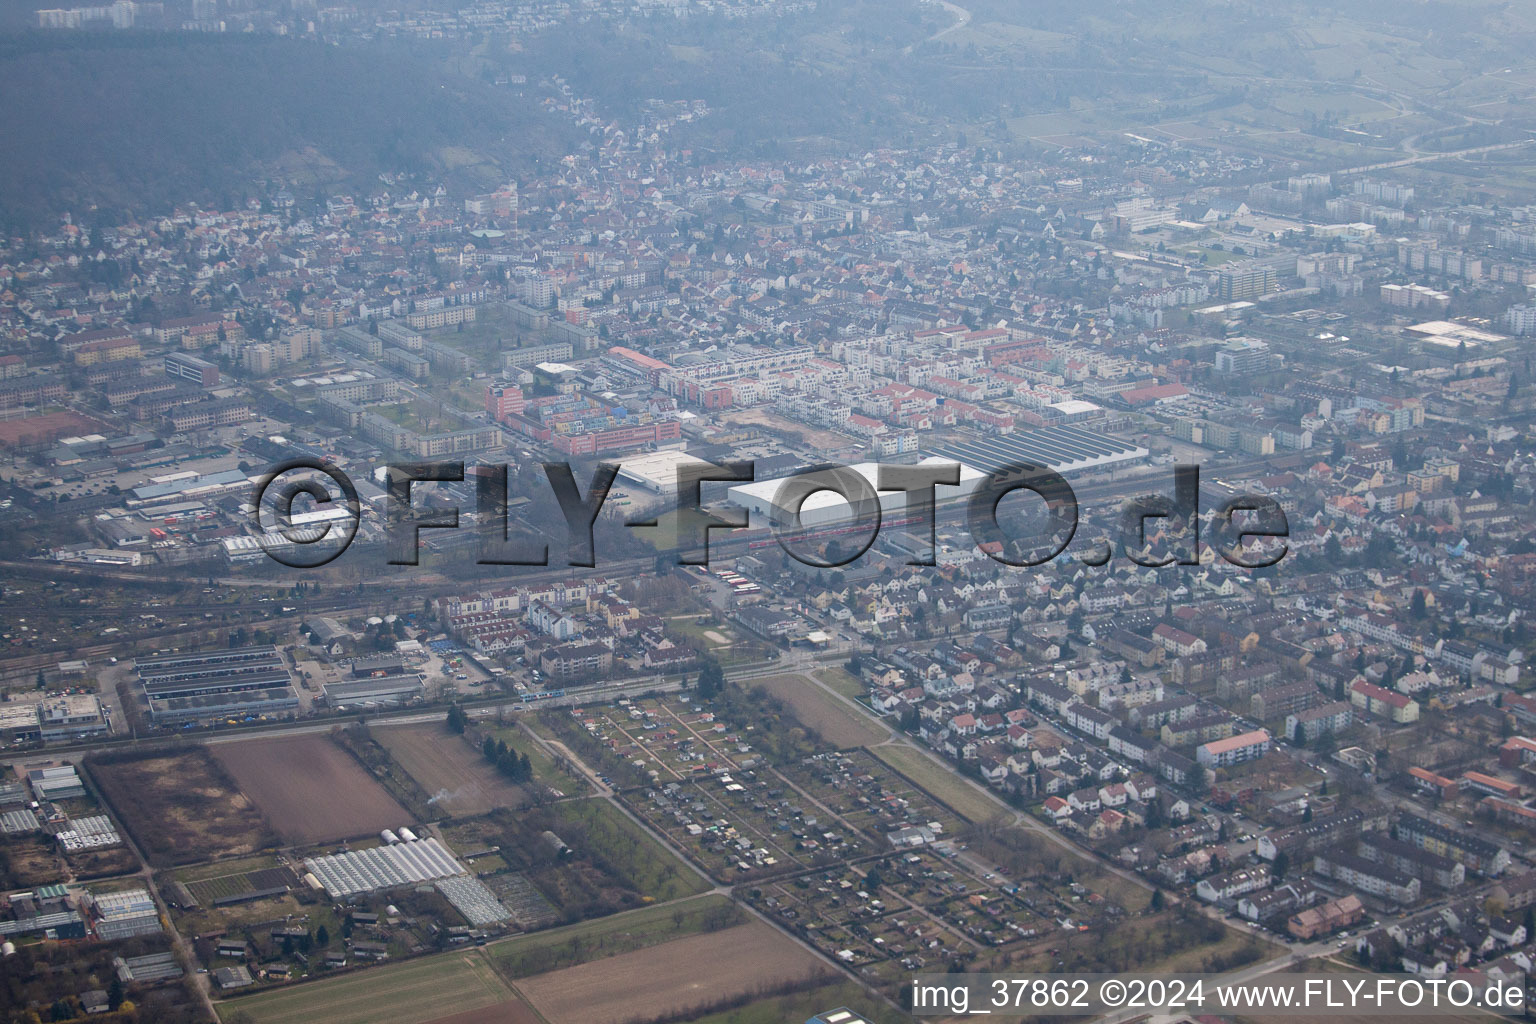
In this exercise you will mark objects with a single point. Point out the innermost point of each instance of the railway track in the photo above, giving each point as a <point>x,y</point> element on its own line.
<point>415,585</point>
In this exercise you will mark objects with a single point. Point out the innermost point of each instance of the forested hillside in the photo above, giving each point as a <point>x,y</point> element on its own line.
<point>140,120</point>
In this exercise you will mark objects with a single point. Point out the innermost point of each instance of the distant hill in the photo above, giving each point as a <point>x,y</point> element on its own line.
<point>1274,80</point>
<point>140,121</point>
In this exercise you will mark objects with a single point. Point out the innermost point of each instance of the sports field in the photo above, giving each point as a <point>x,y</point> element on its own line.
<point>45,427</point>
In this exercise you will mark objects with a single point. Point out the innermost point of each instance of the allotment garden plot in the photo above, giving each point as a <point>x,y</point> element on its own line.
<point>668,740</point>
<point>867,794</point>
<point>919,909</point>
<point>568,861</point>
<point>741,817</point>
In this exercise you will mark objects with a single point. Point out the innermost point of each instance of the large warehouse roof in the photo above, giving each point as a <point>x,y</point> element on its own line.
<point>655,471</point>
<point>194,484</point>
<point>828,506</point>
<point>1064,449</point>
<point>189,660</point>
<point>380,690</point>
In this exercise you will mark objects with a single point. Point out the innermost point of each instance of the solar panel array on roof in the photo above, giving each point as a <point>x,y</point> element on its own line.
<point>211,670</point>
<point>243,681</point>
<point>383,867</point>
<point>1064,449</point>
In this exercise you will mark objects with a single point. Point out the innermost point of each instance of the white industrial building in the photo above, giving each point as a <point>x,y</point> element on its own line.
<point>655,472</point>
<point>1066,449</point>
<point>828,508</point>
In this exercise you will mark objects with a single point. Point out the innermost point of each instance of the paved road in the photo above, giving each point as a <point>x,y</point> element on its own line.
<point>962,18</point>
<point>1420,158</point>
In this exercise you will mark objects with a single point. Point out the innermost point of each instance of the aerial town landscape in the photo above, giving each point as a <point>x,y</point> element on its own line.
<point>524,743</point>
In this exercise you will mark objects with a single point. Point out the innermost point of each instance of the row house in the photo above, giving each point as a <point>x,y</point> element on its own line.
<point>1232,750</point>
<point>1089,720</point>
<point>1307,726</point>
<point>1051,696</point>
<point>1176,768</point>
<point>1177,642</point>
<point>1344,912</point>
<point>1384,703</point>
<point>576,661</point>
<point>1087,678</point>
<point>1129,745</point>
<point>1268,904</point>
<point>1478,854</point>
<point>1216,725</point>
<point>1276,702</point>
<point>1157,714</point>
<point>1370,877</point>
<point>1300,841</point>
<point>551,621</point>
<point>1246,680</point>
<point>1228,886</point>
<point>1132,694</point>
<point>1135,648</point>
<point>1430,868</point>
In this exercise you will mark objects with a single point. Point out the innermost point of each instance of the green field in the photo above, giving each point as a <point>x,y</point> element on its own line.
<point>645,865</point>
<point>837,723</point>
<point>1232,943</point>
<point>841,682</point>
<point>941,782</point>
<point>692,627</point>
<point>545,768</point>
<point>527,955</point>
<point>484,337</point>
<point>804,1005</point>
<point>408,993</point>
<point>223,868</point>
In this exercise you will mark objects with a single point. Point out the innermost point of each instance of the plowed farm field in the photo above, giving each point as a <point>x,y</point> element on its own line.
<point>513,1011</point>
<point>311,790</point>
<point>460,780</point>
<point>672,978</point>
